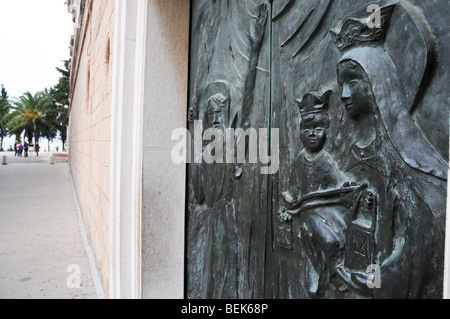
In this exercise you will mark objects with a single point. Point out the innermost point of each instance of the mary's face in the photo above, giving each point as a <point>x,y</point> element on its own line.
<point>354,92</point>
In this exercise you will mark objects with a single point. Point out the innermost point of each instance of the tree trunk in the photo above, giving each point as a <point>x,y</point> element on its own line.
<point>37,136</point>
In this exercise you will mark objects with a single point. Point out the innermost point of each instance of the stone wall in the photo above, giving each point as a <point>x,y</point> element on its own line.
<point>164,182</point>
<point>90,126</point>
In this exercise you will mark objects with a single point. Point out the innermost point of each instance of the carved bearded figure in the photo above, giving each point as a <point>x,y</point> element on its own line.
<point>214,182</point>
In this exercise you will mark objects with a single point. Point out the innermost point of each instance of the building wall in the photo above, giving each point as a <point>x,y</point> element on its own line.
<point>90,126</point>
<point>164,182</point>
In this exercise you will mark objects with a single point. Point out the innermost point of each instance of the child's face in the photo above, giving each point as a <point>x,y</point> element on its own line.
<point>313,135</point>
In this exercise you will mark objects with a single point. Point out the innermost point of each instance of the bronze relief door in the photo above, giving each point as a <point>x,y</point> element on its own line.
<point>319,149</point>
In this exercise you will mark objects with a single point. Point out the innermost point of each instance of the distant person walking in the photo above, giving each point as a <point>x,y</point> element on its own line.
<point>26,146</point>
<point>36,149</point>
<point>15,148</point>
<point>19,149</point>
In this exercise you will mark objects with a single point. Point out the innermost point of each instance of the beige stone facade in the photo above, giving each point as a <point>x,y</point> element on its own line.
<point>129,86</point>
<point>90,126</point>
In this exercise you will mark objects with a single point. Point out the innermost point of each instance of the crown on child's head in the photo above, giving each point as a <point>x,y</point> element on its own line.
<point>313,103</point>
<point>357,31</point>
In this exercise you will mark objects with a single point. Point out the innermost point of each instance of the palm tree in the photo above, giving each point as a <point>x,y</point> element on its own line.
<point>31,112</point>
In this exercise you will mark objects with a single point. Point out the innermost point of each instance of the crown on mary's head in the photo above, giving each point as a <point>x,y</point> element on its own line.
<point>356,31</point>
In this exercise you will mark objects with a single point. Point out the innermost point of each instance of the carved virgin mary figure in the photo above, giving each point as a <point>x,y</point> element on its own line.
<point>397,224</point>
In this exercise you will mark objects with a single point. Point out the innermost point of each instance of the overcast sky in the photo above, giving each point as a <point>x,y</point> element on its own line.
<point>34,38</point>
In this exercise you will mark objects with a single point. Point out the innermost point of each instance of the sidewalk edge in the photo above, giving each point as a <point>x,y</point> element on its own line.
<point>94,270</point>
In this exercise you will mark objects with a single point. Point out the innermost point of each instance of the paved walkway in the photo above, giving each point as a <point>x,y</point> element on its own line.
<point>31,159</point>
<point>42,245</point>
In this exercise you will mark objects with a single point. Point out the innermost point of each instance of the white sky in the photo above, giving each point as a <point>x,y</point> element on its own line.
<point>34,38</point>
